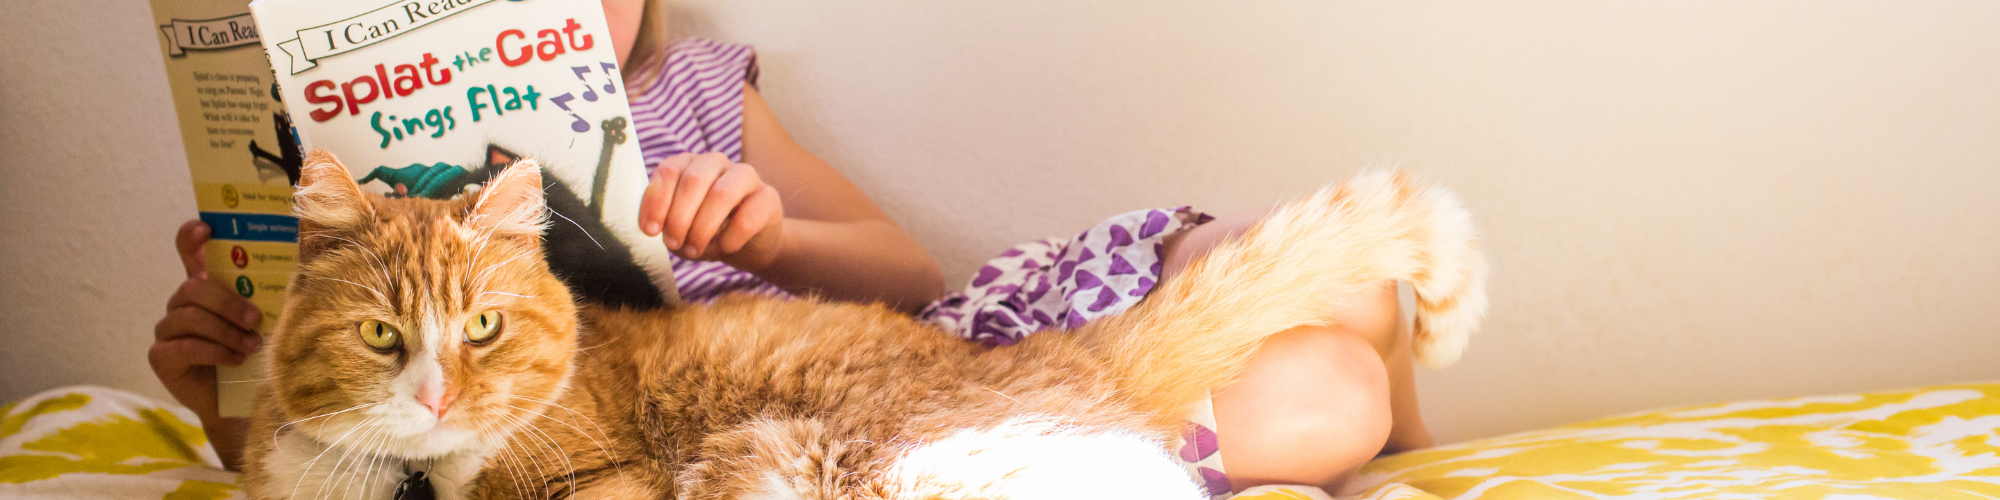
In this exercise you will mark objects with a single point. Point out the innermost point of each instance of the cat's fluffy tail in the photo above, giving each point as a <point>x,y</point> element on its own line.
<point>1197,330</point>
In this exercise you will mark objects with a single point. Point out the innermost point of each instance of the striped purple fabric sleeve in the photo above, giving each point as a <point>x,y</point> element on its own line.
<point>696,106</point>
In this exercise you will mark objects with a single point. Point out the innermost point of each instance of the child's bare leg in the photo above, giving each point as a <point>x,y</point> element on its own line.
<point>1409,431</point>
<point>1314,404</point>
<point>1312,407</point>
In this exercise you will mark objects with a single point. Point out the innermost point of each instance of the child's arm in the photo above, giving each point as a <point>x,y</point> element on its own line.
<point>788,217</point>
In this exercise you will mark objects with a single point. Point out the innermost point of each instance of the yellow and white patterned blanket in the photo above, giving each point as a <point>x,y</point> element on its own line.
<point>1940,442</point>
<point>93,442</point>
<point>1933,443</point>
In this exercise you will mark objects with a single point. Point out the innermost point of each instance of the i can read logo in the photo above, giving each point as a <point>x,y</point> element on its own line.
<point>230,197</point>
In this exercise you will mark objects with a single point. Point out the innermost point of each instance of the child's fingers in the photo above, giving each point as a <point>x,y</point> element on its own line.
<point>724,198</point>
<point>660,192</point>
<point>184,353</point>
<point>188,243</point>
<point>758,211</point>
<point>689,192</point>
<point>201,294</point>
<point>191,322</point>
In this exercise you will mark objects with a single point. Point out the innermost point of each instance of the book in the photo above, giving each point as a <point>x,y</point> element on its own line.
<point>431,98</point>
<point>418,98</point>
<point>241,156</point>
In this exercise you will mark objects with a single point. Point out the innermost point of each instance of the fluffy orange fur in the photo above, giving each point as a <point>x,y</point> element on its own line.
<point>753,397</point>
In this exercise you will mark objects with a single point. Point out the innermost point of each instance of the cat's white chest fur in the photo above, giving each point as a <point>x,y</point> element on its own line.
<point>300,465</point>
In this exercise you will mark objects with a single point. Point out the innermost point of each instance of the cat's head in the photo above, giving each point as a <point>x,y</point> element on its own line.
<point>434,325</point>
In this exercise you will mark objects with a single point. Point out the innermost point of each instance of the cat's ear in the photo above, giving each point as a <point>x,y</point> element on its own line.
<point>327,202</point>
<point>511,204</point>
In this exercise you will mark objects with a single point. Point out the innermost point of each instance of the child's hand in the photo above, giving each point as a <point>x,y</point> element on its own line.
<point>205,325</point>
<point>705,207</point>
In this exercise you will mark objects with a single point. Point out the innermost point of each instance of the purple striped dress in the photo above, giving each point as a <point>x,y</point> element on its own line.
<point>696,106</point>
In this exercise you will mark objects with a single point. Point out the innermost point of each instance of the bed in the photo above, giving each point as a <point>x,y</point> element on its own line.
<point>1937,442</point>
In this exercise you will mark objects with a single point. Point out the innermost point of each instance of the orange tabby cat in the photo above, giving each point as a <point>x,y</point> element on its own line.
<point>429,336</point>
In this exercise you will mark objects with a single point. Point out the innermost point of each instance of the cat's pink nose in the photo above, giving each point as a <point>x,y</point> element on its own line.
<point>437,398</point>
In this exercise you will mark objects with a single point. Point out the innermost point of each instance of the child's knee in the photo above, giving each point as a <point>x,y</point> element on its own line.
<point>1343,388</point>
<point>1313,406</point>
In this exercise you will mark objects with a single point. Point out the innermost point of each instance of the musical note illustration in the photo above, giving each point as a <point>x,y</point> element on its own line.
<point>562,101</point>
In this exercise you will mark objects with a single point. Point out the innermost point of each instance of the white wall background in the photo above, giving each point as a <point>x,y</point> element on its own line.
<point>1684,202</point>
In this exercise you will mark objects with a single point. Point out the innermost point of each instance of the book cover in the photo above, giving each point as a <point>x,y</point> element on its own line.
<point>430,98</point>
<point>240,155</point>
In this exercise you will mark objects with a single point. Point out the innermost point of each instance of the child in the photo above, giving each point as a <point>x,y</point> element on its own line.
<point>1315,404</point>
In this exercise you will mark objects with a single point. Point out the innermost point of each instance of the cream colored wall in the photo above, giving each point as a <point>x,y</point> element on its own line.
<point>1684,201</point>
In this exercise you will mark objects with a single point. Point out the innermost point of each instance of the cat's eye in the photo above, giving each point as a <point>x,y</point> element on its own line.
<point>483,328</point>
<point>380,336</point>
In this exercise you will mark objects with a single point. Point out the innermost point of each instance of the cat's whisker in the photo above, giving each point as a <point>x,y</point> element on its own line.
<point>374,457</point>
<point>363,447</point>
<point>378,293</point>
<point>552,443</point>
<point>533,459</point>
<point>374,463</point>
<point>584,349</point>
<point>579,227</point>
<point>530,468</point>
<point>534,454</point>
<point>1004,395</point>
<point>570,477</point>
<point>363,464</point>
<point>489,304</point>
<point>586,419</point>
<point>335,480</point>
<point>485,235</point>
<point>480,279</point>
<point>607,343</point>
<point>345,485</point>
<point>521,211</point>
<point>336,443</point>
<point>380,266</point>
<point>508,460</point>
<point>281,428</point>
<point>479,242</point>
<point>608,452</point>
<point>494,456</point>
<point>328,478</point>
